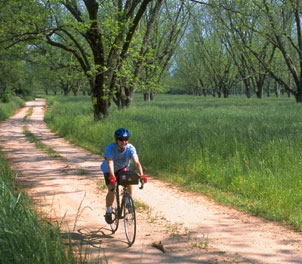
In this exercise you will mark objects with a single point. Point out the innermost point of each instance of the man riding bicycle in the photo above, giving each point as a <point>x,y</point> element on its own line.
<point>117,158</point>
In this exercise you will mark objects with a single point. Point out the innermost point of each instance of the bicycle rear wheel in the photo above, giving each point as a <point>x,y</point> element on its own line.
<point>115,214</point>
<point>129,220</point>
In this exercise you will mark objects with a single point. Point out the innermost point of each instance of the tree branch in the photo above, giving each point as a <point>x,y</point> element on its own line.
<point>132,29</point>
<point>68,49</point>
<point>73,9</point>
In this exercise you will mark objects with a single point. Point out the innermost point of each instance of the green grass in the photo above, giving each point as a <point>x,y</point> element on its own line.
<point>244,152</point>
<point>24,236</point>
<point>39,145</point>
<point>30,112</point>
<point>8,109</point>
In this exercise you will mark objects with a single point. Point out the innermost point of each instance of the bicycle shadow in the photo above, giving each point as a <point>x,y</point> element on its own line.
<point>99,238</point>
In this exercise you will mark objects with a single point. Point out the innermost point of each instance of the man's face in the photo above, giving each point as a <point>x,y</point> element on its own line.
<point>122,142</point>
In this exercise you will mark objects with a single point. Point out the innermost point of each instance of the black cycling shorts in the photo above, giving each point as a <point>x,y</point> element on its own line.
<point>106,176</point>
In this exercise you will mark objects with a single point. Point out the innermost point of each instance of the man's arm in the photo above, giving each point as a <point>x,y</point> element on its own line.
<point>138,165</point>
<point>111,167</point>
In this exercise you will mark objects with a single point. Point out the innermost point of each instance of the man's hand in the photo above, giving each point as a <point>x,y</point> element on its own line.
<point>112,180</point>
<point>143,178</point>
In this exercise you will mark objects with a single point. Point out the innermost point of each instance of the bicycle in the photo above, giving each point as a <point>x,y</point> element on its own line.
<point>125,208</point>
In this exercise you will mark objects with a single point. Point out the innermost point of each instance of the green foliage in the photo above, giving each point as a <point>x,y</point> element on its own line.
<point>248,151</point>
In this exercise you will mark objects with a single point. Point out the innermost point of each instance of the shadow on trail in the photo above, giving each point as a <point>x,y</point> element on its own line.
<point>84,237</point>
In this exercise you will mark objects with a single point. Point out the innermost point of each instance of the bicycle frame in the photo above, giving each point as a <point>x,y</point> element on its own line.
<point>120,211</point>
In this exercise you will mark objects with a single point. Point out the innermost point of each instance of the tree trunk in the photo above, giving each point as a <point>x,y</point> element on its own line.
<point>298,94</point>
<point>225,93</point>
<point>247,88</point>
<point>152,96</point>
<point>259,92</point>
<point>131,88</point>
<point>204,91</point>
<point>100,99</point>
<point>147,97</point>
<point>268,90</point>
<point>298,97</point>
<point>277,89</point>
<point>100,110</point>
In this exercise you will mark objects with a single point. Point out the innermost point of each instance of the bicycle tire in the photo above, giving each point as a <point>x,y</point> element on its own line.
<point>129,220</point>
<point>115,214</point>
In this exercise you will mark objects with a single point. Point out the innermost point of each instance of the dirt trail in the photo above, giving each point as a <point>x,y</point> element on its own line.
<point>192,228</point>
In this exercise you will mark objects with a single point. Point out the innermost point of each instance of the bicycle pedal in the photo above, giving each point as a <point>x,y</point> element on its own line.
<point>120,216</point>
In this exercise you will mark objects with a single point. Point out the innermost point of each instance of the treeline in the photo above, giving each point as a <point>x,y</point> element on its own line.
<point>111,49</point>
<point>107,49</point>
<point>241,47</point>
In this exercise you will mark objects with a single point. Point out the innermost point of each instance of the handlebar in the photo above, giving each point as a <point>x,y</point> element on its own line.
<point>142,184</point>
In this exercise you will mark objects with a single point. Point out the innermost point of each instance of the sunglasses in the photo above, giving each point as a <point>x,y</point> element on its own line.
<point>123,139</point>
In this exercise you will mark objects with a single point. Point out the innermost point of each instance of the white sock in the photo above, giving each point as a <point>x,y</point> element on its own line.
<point>109,209</point>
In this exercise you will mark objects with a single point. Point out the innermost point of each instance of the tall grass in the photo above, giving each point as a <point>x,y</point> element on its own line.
<point>8,109</point>
<point>24,236</point>
<point>246,152</point>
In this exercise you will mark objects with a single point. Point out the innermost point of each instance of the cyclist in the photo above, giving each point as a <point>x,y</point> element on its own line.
<point>117,158</point>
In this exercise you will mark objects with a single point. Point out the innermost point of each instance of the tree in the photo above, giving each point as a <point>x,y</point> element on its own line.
<point>284,24</point>
<point>168,31</point>
<point>99,35</point>
<point>277,25</point>
<point>187,75</point>
<point>204,63</point>
<point>17,17</point>
<point>234,23</point>
<point>219,69</point>
<point>130,75</point>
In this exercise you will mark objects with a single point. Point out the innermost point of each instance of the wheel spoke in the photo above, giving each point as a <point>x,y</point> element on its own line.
<point>129,220</point>
<point>115,216</point>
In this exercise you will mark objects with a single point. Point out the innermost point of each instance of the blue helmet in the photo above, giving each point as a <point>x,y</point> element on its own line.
<point>122,132</point>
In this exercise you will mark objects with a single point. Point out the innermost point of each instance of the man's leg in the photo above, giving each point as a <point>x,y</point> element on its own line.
<point>109,197</point>
<point>109,201</point>
<point>129,189</point>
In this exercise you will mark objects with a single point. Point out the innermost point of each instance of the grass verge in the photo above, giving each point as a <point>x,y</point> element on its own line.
<point>8,109</point>
<point>24,236</point>
<point>243,152</point>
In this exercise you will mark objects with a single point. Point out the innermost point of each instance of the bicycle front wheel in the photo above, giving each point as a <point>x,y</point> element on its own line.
<point>115,214</point>
<point>129,220</point>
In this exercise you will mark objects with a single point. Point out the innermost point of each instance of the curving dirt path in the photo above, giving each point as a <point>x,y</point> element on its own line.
<point>192,228</point>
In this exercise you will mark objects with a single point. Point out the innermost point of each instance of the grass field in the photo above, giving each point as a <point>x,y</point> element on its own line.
<point>244,152</point>
<point>24,236</point>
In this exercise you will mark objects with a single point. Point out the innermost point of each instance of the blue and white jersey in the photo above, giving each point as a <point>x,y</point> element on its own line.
<point>120,159</point>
